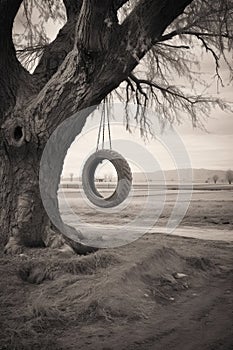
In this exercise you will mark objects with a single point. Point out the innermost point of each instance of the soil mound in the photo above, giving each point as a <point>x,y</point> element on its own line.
<point>54,302</point>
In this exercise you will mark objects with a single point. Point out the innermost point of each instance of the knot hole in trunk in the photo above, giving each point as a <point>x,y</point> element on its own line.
<point>18,133</point>
<point>17,136</point>
<point>14,132</point>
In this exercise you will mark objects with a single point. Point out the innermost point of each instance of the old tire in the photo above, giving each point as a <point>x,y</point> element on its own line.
<point>124,178</point>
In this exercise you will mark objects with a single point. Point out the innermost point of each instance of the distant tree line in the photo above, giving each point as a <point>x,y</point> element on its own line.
<point>228,177</point>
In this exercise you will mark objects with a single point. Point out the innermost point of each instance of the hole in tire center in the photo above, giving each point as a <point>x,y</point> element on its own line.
<point>105,178</point>
<point>18,133</point>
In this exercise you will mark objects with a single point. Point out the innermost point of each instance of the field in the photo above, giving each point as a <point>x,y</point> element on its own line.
<point>159,292</point>
<point>209,207</point>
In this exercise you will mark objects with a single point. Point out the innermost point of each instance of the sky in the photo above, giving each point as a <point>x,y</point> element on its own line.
<point>212,149</point>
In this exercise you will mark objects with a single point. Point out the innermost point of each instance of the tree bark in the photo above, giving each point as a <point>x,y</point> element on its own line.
<point>24,221</point>
<point>22,215</point>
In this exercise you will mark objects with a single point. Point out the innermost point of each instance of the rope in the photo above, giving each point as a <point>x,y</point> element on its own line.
<point>100,127</point>
<point>103,127</point>
<point>109,132</point>
<point>104,116</point>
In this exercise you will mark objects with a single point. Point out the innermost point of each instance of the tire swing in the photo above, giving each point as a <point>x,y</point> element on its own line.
<point>124,174</point>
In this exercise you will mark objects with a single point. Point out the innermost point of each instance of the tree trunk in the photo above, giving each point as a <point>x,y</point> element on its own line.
<point>22,215</point>
<point>24,220</point>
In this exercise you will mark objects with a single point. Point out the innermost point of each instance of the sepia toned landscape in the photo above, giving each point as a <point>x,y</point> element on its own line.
<point>116,175</point>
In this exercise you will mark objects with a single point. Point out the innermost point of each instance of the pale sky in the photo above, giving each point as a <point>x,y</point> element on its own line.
<point>212,149</point>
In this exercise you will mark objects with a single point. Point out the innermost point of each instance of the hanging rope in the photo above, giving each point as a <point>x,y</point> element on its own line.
<point>103,127</point>
<point>109,132</point>
<point>104,117</point>
<point>100,127</point>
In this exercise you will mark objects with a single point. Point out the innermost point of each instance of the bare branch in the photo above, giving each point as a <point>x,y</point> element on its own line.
<point>183,31</point>
<point>147,22</point>
<point>169,102</point>
<point>215,35</point>
<point>215,56</point>
<point>175,46</point>
<point>168,36</point>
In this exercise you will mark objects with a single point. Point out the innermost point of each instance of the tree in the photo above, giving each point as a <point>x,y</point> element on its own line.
<point>215,178</point>
<point>229,176</point>
<point>101,48</point>
<point>108,177</point>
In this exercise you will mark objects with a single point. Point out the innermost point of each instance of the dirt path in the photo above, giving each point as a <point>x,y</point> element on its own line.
<point>199,320</point>
<point>203,233</point>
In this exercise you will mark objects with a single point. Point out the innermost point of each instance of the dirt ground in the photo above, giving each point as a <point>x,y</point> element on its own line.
<point>160,292</point>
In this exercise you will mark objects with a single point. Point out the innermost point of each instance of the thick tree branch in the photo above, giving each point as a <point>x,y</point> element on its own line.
<point>168,36</point>
<point>183,31</point>
<point>56,51</point>
<point>147,22</point>
<point>8,10</point>
<point>54,54</point>
<point>205,34</point>
<point>11,71</point>
<point>97,22</point>
<point>72,7</point>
